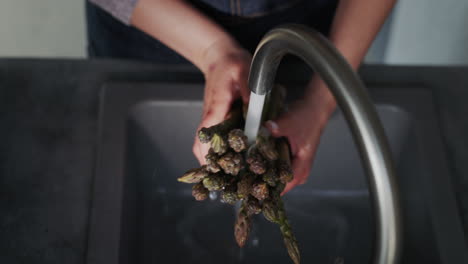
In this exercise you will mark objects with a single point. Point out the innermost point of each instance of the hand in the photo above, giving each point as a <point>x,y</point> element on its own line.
<point>302,125</point>
<point>226,75</point>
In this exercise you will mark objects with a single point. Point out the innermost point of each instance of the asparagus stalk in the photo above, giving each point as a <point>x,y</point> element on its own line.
<point>194,175</point>
<point>242,226</point>
<point>257,163</point>
<point>231,163</point>
<point>284,162</point>
<point>253,206</point>
<point>205,134</point>
<point>212,161</point>
<point>237,140</point>
<point>214,182</point>
<point>270,210</point>
<point>271,176</point>
<point>233,120</point>
<point>218,144</point>
<point>199,192</point>
<point>266,145</point>
<point>273,210</point>
<point>260,190</point>
<point>244,186</point>
<point>229,195</point>
<point>288,237</point>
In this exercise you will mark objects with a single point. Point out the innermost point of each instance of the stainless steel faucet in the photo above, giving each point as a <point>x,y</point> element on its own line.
<point>360,114</point>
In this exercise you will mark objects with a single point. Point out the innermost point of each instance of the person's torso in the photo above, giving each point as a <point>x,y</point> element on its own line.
<point>249,8</point>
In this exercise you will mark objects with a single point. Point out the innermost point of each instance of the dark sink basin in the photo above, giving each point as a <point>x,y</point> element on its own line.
<point>141,214</point>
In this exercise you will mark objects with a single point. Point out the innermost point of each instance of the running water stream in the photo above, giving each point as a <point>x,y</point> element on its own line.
<point>254,116</point>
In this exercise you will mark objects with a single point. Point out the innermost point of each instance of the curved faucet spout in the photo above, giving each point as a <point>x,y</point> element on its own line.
<point>359,111</point>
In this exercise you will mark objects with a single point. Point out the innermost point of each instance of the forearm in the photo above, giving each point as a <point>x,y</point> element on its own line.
<point>184,29</point>
<point>354,27</point>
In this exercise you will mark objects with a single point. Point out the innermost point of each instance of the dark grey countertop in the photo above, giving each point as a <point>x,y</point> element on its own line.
<point>48,119</point>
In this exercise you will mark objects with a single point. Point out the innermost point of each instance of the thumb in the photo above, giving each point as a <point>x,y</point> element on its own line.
<point>216,110</point>
<point>278,127</point>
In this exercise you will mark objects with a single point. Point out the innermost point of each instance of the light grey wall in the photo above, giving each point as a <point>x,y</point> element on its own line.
<point>42,28</point>
<point>378,49</point>
<point>428,32</point>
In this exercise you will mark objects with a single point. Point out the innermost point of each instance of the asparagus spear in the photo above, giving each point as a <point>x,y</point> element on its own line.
<point>218,143</point>
<point>212,161</point>
<point>273,210</point>
<point>229,195</point>
<point>244,186</point>
<point>231,163</point>
<point>253,206</point>
<point>205,134</point>
<point>284,162</point>
<point>214,182</point>
<point>194,175</point>
<point>266,145</point>
<point>288,237</point>
<point>242,226</point>
<point>270,176</point>
<point>260,190</point>
<point>199,192</point>
<point>233,120</point>
<point>257,163</point>
<point>237,140</point>
<point>270,210</point>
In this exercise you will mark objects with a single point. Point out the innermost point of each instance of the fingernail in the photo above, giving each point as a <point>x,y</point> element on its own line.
<point>272,125</point>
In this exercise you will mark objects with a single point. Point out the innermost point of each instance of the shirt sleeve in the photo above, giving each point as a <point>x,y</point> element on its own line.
<point>120,9</point>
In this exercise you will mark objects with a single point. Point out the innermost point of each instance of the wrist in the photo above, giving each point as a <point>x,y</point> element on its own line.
<point>220,49</point>
<point>319,97</point>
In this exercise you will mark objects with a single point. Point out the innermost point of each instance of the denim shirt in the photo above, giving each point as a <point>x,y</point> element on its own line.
<point>109,34</point>
<point>123,9</point>
<point>250,8</point>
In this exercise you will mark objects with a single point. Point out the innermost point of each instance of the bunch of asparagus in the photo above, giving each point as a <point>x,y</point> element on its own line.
<point>253,175</point>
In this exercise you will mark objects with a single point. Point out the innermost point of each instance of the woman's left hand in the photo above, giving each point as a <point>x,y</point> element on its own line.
<point>302,125</point>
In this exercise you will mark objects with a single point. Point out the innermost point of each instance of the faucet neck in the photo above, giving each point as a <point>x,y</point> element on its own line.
<point>351,96</point>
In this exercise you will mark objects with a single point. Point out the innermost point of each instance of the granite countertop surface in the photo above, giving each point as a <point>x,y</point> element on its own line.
<point>48,132</point>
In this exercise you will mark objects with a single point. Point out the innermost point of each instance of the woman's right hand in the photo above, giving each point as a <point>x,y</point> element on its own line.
<point>226,72</point>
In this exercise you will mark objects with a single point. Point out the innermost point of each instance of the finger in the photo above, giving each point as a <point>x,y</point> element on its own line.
<point>243,86</point>
<point>200,150</point>
<point>281,126</point>
<point>218,107</point>
<point>196,149</point>
<point>301,168</point>
<point>289,186</point>
<point>301,165</point>
<point>299,179</point>
<point>203,148</point>
<point>274,128</point>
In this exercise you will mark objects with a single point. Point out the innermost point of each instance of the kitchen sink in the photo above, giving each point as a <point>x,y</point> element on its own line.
<point>141,214</point>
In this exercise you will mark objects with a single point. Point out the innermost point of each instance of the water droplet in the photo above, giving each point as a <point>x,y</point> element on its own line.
<point>213,196</point>
<point>255,242</point>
